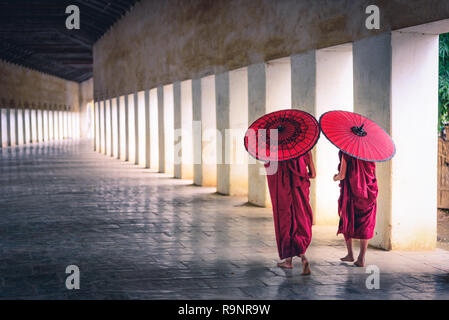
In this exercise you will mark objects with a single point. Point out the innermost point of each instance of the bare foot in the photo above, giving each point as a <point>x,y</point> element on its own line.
<point>285,265</point>
<point>359,263</point>
<point>348,258</point>
<point>305,268</point>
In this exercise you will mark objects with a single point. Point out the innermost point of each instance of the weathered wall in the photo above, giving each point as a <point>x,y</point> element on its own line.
<point>86,90</point>
<point>159,42</point>
<point>20,86</point>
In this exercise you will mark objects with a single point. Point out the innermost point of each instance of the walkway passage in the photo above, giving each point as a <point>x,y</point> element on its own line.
<point>136,234</point>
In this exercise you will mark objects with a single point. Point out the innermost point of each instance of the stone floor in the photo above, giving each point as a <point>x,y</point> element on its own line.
<point>137,234</point>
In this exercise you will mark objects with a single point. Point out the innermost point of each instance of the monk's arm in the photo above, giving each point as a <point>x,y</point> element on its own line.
<point>342,174</point>
<point>312,172</point>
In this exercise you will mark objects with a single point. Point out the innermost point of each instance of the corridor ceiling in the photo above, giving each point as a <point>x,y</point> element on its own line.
<point>34,34</point>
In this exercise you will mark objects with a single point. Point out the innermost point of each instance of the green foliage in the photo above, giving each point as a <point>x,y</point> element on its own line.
<point>443,88</point>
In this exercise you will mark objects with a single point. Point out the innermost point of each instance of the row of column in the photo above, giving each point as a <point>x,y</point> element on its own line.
<point>25,126</point>
<point>194,129</point>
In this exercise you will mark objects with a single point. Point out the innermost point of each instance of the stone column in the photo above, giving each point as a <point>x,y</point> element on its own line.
<point>304,98</point>
<point>105,128</point>
<point>399,91</point>
<point>57,120</point>
<point>38,122</point>
<point>187,130</point>
<point>127,147</point>
<point>123,127</point>
<point>101,127</point>
<point>269,90</point>
<point>17,128</point>
<point>136,128</point>
<point>169,129</point>
<point>147,130</point>
<point>70,124</point>
<point>208,132</point>
<point>73,123</point>
<point>77,125</point>
<point>257,185</point>
<point>51,132</point>
<point>6,127</point>
<point>74,127</point>
<point>196,132</point>
<point>30,123</point>
<point>119,124</point>
<point>142,137</point>
<point>35,124</point>
<point>232,122</point>
<point>61,123</point>
<point>372,98</point>
<point>108,125</point>
<point>161,128</point>
<point>223,125</point>
<point>70,121</point>
<point>24,125</point>
<point>334,91</point>
<point>177,137</point>
<point>55,123</point>
<point>95,126</point>
<point>12,127</point>
<point>19,125</point>
<point>204,132</point>
<point>154,130</point>
<point>46,123</point>
<point>114,128</point>
<point>236,155</point>
<point>66,124</point>
<point>278,84</point>
<point>131,129</point>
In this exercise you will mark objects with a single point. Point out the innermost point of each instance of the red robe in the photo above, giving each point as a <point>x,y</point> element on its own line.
<point>357,204</point>
<point>289,192</point>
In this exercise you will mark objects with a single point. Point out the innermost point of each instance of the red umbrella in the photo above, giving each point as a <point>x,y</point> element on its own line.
<point>297,132</point>
<point>357,136</point>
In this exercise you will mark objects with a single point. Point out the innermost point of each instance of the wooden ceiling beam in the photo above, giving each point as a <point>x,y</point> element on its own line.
<point>33,34</point>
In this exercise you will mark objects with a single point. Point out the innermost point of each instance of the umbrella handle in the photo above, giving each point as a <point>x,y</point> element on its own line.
<point>359,131</point>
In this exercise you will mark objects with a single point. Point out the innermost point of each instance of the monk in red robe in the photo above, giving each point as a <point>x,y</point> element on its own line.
<point>357,204</point>
<point>289,191</point>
